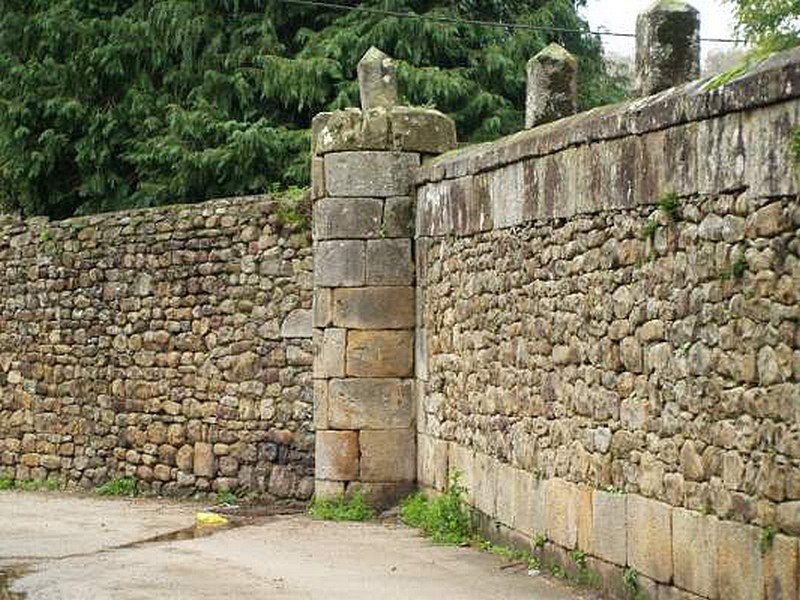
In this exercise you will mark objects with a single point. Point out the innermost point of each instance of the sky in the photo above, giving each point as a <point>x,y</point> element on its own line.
<point>716,20</point>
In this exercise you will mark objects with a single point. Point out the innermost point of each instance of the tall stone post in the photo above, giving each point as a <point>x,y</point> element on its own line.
<point>552,86</point>
<point>667,46</point>
<point>364,165</point>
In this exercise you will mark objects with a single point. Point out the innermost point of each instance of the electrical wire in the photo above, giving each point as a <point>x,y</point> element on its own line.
<point>480,23</point>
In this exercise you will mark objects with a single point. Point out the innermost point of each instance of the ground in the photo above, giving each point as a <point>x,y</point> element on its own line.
<point>56,546</point>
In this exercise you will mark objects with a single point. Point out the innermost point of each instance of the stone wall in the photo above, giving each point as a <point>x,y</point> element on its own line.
<point>172,345</point>
<point>608,345</point>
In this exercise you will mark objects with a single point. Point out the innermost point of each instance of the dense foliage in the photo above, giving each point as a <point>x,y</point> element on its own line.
<point>769,24</point>
<point>107,104</point>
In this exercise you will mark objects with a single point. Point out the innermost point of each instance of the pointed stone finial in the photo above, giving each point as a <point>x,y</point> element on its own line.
<point>667,46</point>
<point>552,86</point>
<point>377,80</point>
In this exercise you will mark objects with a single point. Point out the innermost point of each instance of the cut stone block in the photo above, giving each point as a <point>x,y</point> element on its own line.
<point>317,178</point>
<point>340,263</point>
<point>370,174</point>
<point>422,130</point>
<point>780,569</point>
<point>552,86</point>
<point>371,403</point>
<point>609,537</point>
<point>382,495</point>
<point>347,218</point>
<point>329,356</point>
<point>380,354</point>
<point>328,490</point>
<point>461,460</point>
<point>389,262</point>
<point>562,513</point>
<point>336,456</point>
<point>667,46</point>
<point>485,481</point>
<point>388,455</point>
<point>398,217</point>
<point>320,404</point>
<point>740,565</point>
<point>694,552</point>
<point>374,308</point>
<point>432,462</point>
<point>650,537</point>
<point>323,307</point>
<point>377,80</point>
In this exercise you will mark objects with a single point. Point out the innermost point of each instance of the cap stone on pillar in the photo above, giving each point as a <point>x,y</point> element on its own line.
<point>552,86</point>
<point>667,46</point>
<point>377,80</point>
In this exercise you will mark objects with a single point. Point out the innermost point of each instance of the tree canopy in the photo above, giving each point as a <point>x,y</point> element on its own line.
<point>769,24</point>
<point>107,104</point>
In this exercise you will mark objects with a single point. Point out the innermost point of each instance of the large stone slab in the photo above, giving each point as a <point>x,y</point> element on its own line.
<point>371,403</point>
<point>337,455</point>
<point>388,455</point>
<point>694,551</point>
<point>380,354</point>
<point>347,218</point>
<point>609,537</point>
<point>432,456</point>
<point>740,566</point>
<point>370,174</point>
<point>562,513</point>
<point>340,263</point>
<point>329,356</point>
<point>781,568</point>
<point>650,537</point>
<point>374,308</point>
<point>389,262</point>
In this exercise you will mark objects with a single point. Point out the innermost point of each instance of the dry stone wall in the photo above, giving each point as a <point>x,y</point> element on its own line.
<point>608,340</point>
<point>172,345</point>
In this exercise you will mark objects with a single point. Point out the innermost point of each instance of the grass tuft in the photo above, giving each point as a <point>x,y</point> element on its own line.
<point>119,486</point>
<point>445,519</point>
<point>354,508</point>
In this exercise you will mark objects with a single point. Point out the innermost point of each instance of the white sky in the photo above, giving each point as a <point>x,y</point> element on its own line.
<point>716,20</point>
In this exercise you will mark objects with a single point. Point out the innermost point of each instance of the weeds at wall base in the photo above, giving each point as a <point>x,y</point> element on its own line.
<point>353,508</point>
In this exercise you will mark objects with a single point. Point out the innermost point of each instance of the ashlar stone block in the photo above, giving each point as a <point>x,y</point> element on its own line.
<point>667,46</point>
<point>694,551</point>
<point>371,403</point>
<point>377,80</point>
<point>347,218</point>
<point>650,537</point>
<point>370,174</point>
<point>780,568</point>
<point>337,455</point>
<point>609,538</point>
<point>740,565</point>
<point>562,513</point>
<point>389,262</point>
<point>388,455</point>
<point>340,263</point>
<point>374,308</point>
<point>329,357</point>
<point>432,462</point>
<point>380,353</point>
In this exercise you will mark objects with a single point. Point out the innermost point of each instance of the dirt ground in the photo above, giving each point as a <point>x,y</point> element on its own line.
<point>57,546</point>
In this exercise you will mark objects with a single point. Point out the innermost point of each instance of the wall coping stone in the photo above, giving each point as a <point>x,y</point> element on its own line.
<point>774,81</point>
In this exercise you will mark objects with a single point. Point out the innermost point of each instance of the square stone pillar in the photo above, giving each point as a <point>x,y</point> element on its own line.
<point>364,167</point>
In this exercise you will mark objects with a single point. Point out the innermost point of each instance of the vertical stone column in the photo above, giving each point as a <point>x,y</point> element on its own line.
<point>364,166</point>
<point>552,86</point>
<point>667,46</point>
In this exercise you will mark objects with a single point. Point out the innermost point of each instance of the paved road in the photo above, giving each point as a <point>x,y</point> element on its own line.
<point>75,547</point>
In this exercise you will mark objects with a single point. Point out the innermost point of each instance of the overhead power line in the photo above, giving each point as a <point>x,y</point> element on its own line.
<point>480,23</point>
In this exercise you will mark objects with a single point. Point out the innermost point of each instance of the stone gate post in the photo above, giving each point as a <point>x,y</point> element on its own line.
<point>364,165</point>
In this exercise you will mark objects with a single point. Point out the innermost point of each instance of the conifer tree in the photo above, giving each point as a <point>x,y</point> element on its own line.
<point>106,104</point>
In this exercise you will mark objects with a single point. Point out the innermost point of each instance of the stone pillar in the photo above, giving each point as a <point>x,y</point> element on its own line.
<point>364,166</point>
<point>552,86</point>
<point>667,46</point>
